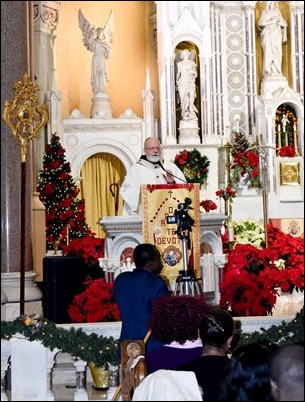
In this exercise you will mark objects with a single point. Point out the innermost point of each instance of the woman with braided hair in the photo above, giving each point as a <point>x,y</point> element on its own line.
<point>216,333</point>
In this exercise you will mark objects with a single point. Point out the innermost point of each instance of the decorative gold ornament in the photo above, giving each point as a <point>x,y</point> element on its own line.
<point>23,114</point>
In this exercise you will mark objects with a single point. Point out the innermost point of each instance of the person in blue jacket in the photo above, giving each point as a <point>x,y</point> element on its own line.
<point>136,290</point>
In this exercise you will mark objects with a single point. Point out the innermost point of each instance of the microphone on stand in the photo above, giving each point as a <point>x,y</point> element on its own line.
<point>176,177</point>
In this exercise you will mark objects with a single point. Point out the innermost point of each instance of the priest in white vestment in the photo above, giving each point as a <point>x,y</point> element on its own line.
<point>150,169</point>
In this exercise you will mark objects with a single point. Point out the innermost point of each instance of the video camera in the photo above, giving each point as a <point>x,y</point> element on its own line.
<point>182,218</point>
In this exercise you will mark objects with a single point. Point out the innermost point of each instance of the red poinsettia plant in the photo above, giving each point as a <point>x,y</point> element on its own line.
<point>252,274</point>
<point>287,151</point>
<point>95,304</point>
<point>208,205</point>
<point>90,248</point>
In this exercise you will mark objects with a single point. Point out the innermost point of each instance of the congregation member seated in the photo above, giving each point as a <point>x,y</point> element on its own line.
<point>247,375</point>
<point>175,322</point>
<point>216,333</point>
<point>287,373</point>
<point>168,385</point>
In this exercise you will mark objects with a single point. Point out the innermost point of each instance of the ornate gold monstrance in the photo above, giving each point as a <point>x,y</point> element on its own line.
<point>23,114</point>
<point>25,117</point>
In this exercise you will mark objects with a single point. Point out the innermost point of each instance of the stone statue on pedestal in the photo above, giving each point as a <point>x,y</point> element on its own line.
<point>186,88</point>
<point>273,29</point>
<point>98,41</point>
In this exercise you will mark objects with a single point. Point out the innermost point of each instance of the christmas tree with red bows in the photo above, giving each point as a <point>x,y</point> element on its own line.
<point>65,212</point>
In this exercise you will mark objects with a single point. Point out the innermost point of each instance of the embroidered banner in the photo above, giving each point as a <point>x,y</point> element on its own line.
<point>160,201</point>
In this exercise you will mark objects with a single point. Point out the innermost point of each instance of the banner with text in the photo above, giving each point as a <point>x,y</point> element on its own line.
<point>161,201</point>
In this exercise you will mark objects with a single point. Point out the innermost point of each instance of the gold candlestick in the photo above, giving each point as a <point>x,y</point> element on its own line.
<point>295,142</point>
<point>68,230</point>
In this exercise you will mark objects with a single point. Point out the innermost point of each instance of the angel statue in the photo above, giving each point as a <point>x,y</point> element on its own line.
<point>185,80</point>
<point>98,41</point>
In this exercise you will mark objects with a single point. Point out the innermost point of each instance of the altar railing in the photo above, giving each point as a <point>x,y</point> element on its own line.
<point>31,365</point>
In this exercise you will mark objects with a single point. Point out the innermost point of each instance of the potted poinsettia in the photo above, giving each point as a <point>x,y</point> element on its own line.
<point>208,205</point>
<point>95,304</point>
<point>91,248</point>
<point>252,272</point>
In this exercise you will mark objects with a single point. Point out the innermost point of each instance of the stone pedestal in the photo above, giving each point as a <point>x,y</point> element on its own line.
<point>10,286</point>
<point>188,132</point>
<point>271,84</point>
<point>101,108</point>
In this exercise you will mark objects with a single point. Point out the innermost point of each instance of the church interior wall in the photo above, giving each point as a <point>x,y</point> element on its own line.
<point>132,52</point>
<point>229,54</point>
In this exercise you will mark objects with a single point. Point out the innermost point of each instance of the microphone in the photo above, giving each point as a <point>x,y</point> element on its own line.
<point>176,177</point>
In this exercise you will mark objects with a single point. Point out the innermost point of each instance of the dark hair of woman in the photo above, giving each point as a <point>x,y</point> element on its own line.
<point>247,376</point>
<point>177,318</point>
<point>216,327</point>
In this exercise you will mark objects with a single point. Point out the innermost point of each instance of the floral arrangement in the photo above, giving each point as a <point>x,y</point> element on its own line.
<point>227,194</point>
<point>95,304</point>
<point>90,248</point>
<point>98,349</point>
<point>252,273</point>
<point>245,161</point>
<point>287,151</point>
<point>193,165</point>
<point>208,205</point>
<point>249,231</point>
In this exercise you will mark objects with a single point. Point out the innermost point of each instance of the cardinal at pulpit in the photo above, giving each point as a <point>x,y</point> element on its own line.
<point>150,169</point>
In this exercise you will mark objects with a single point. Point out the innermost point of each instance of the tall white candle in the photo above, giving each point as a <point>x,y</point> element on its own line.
<point>230,232</point>
<point>237,125</point>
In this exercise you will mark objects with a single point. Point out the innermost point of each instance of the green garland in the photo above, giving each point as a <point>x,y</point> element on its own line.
<point>103,350</point>
<point>287,332</point>
<point>98,349</point>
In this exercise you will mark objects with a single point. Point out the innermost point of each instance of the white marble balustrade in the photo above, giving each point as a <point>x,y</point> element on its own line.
<point>32,364</point>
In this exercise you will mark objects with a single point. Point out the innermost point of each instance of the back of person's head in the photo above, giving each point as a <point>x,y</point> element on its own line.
<point>216,327</point>
<point>177,318</point>
<point>144,253</point>
<point>247,375</point>
<point>287,373</point>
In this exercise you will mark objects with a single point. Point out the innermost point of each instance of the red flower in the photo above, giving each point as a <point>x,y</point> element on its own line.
<point>208,205</point>
<point>95,304</point>
<point>227,194</point>
<point>89,247</point>
<point>288,151</point>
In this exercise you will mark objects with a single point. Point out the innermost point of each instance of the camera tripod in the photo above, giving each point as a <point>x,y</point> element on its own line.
<point>186,283</point>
